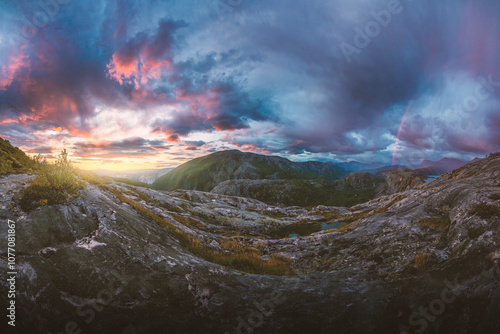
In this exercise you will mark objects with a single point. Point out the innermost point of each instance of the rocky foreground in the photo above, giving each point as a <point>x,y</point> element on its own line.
<point>422,260</point>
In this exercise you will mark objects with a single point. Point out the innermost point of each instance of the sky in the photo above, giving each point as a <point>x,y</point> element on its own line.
<point>127,84</point>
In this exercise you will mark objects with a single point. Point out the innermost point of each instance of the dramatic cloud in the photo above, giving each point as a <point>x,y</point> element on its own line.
<point>122,83</point>
<point>144,58</point>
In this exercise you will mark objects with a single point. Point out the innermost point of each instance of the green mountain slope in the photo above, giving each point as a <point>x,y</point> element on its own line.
<point>207,172</point>
<point>12,158</point>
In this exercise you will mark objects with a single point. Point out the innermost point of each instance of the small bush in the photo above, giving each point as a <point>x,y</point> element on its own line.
<point>38,161</point>
<point>55,184</point>
<point>485,210</point>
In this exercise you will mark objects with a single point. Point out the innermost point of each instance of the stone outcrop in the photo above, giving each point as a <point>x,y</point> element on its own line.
<point>401,180</point>
<point>278,192</point>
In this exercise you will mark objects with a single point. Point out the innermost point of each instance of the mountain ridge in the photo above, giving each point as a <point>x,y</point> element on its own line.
<point>205,173</point>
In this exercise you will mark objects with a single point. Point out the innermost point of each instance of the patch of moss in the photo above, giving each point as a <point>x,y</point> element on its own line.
<point>485,210</point>
<point>463,246</point>
<point>328,216</point>
<point>275,214</point>
<point>212,219</point>
<point>387,206</point>
<point>421,260</point>
<point>495,197</point>
<point>140,194</point>
<point>169,207</point>
<point>435,224</point>
<point>188,221</point>
<point>356,216</point>
<point>475,233</point>
<point>343,228</point>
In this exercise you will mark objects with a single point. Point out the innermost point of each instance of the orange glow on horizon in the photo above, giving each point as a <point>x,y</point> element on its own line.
<point>123,166</point>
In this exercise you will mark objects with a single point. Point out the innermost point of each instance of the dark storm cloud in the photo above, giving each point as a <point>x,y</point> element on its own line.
<point>222,107</point>
<point>405,61</point>
<point>123,148</point>
<point>79,61</point>
<point>282,62</point>
<point>42,150</point>
<point>196,143</point>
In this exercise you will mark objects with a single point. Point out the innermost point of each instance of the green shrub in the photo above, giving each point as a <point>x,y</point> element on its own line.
<point>13,159</point>
<point>38,161</point>
<point>55,184</point>
<point>5,166</point>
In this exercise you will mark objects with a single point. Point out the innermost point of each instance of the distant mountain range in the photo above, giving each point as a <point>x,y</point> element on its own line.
<point>442,166</point>
<point>205,173</point>
<point>426,167</point>
<point>143,175</point>
<point>355,166</point>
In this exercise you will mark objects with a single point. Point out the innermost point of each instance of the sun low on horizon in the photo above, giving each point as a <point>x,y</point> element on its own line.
<point>126,86</point>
